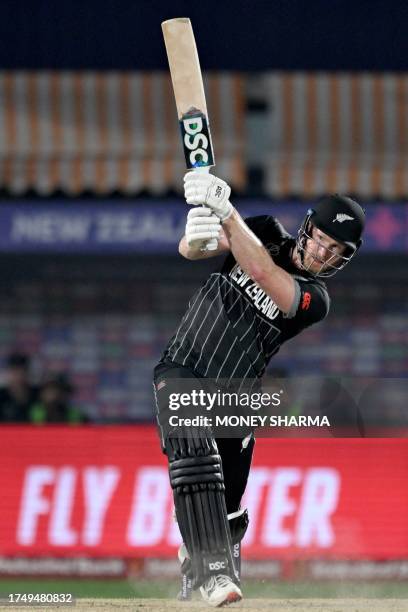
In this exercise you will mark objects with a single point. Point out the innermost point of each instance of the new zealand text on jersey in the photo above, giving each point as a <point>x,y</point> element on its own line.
<point>258,297</point>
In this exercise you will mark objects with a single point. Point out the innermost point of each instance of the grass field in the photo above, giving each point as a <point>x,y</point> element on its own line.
<point>259,596</point>
<point>167,589</point>
<point>247,605</point>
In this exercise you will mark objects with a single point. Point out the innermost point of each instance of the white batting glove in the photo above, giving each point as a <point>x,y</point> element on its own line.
<point>202,227</point>
<point>201,188</point>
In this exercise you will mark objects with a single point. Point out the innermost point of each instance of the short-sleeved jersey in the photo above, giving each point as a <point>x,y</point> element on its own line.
<point>232,328</point>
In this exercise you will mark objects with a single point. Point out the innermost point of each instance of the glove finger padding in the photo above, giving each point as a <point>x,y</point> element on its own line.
<point>202,226</point>
<point>212,231</point>
<point>192,176</point>
<point>200,211</point>
<point>208,230</point>
<point>204,221</point>
<point>200,239</point>
<point>195,199</point>
<point>208,189</point>
<point>194,190</point>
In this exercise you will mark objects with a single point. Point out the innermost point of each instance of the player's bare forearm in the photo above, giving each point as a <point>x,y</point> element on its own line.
<point>210,191</point>
<point>255,260</point>
<point>190,252</point>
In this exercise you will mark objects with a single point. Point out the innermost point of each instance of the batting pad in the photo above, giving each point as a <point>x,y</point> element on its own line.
<point>198,489</point>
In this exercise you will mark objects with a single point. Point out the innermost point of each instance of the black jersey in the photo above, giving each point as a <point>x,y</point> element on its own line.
<point>232,327</point>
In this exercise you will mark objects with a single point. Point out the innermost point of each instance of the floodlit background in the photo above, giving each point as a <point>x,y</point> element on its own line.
<point>303,101</point>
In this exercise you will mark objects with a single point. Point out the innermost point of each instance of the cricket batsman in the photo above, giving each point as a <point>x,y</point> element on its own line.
<point>267,291</point>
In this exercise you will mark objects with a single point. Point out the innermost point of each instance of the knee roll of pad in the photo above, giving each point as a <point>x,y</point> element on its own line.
<point>194,470</point>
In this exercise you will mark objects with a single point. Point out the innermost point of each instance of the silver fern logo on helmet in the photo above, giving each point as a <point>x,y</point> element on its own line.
<point>341,217</point>
<point>335,262</point>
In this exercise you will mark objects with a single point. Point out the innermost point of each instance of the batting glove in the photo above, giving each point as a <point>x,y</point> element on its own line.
<point>202,188</point>
<point>202,227</point>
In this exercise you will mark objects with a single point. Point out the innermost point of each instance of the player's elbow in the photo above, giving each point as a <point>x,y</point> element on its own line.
<point>183,249</point>
<point>186,252</point>
<point>257,273</point>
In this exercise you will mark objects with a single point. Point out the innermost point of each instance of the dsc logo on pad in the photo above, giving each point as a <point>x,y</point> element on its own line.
<point>217,565</point>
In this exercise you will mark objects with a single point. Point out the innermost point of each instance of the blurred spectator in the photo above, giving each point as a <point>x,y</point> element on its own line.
<point>54,403</point>
<point>18,395</point>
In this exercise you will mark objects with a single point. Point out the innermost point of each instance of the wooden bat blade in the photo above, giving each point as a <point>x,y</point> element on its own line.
<point>184,66</point>
<point>189,93</point>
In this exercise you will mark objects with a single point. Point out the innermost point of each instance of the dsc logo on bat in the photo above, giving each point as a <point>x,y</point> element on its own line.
<point>197,141</point>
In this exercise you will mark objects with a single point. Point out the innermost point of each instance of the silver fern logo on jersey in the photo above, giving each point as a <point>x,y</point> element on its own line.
<point>341,217</point>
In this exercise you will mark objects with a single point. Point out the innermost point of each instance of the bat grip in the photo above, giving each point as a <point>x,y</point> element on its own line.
<point>211,245</point>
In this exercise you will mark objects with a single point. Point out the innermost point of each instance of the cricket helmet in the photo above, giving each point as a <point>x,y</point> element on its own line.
<point>342,219</point>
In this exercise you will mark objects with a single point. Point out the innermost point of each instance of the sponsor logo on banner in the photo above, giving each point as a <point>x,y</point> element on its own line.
<point>148,516</point>
<point>104,492</point>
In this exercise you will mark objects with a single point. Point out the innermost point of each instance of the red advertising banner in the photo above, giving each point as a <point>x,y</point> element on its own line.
<point>104,491</point>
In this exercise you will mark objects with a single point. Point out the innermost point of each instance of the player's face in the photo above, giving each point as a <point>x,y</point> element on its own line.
<point>321,252</point>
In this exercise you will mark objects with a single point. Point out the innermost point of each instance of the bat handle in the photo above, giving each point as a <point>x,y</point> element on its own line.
<point>211,245</point>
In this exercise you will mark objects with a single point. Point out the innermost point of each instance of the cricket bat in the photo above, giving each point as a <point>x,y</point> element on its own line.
<point>189,94</point>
